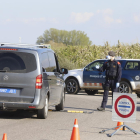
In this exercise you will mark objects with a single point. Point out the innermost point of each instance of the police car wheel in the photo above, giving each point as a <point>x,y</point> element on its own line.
<point>91,92</point>
<point>72,86</point>
<point>125,87</point>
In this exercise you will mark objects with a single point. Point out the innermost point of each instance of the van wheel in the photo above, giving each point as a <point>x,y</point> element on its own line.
<point>42,113</point>
<point>125,87</point>
<point>91,92</point>
<point>72,86</point>
<point>61,105</point>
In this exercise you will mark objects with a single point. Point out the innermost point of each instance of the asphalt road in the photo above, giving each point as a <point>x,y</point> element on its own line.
<point>58,126</point>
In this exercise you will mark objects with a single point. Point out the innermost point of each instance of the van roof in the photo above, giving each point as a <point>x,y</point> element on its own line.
<point>39,48</point>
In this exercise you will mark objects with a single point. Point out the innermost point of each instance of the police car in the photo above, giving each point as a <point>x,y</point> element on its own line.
<point>90,79</point>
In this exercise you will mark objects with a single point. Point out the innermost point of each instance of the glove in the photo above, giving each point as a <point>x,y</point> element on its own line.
<point>117,85</point>
<point>97,67</point>
<point>108,57</point>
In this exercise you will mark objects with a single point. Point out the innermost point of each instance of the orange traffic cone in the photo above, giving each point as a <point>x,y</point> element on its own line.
<point>75,132</point>
<point>4,136</point>
<point>118,124</point>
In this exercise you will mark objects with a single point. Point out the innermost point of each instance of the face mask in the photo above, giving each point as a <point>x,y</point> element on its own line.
<point>111,58</point>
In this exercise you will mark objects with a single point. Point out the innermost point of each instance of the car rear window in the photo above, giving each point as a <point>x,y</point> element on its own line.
<point>17,62</point>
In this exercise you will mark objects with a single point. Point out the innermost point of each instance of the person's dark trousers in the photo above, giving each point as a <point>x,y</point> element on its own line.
<point>108,84</point>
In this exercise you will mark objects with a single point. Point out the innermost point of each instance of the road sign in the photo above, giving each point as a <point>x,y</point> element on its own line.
<point>124,107</point>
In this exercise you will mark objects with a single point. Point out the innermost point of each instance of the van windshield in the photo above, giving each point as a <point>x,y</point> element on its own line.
<point>17,62</point>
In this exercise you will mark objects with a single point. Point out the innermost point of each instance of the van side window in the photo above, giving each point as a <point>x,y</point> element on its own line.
<point>45,62</point>
<point>52,62</point>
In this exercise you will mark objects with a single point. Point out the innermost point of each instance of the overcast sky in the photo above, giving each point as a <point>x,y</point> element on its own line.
<point>101,20</point>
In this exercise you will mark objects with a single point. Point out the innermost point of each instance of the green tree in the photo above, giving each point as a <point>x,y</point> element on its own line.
<point>74,38</point>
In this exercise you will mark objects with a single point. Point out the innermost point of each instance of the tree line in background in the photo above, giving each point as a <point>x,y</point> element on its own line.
<point>73,55</point>
<point>66,37</point>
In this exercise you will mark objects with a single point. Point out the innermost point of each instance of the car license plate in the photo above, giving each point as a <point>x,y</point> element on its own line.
<point>5,90</point>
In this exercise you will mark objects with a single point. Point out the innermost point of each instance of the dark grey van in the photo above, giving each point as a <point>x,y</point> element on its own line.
<point>30,79</point>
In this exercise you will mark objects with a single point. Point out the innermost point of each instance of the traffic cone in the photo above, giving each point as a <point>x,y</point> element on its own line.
<point>75,132</point>
<point>118,124</point>
<point>4,136</point>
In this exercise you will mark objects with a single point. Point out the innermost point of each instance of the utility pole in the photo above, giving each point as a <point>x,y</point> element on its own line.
<point>19,39</point>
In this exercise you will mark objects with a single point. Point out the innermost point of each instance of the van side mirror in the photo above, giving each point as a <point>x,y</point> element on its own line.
<point>64,71</point>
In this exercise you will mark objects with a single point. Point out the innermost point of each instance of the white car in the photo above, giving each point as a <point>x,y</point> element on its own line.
<point>80,79</point>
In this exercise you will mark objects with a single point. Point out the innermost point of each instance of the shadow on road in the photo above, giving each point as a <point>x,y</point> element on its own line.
<point>85,109</point>
<point>20,114</point>
<point>109,106</point>
<point>80,131</point>
<point>83,93</point>
<point>119,133</point>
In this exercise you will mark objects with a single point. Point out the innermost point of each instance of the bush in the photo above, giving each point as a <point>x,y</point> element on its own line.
<point>73,57</point>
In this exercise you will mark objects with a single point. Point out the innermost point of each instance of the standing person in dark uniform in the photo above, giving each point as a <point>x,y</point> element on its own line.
<point>113,77</point>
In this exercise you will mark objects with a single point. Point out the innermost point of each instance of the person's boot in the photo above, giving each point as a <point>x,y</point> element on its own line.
<point>101,109</point>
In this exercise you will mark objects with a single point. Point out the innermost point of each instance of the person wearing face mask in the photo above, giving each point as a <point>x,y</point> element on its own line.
<point>113,77</point>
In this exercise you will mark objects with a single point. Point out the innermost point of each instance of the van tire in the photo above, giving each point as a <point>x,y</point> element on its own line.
<point>61,105</point>
<point>75,86</point>
<point>125,87</point>
<point>91,92</point>
<point>42,113</point>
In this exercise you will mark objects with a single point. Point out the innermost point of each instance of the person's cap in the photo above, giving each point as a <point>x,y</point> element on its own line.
<point>111,53</point>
